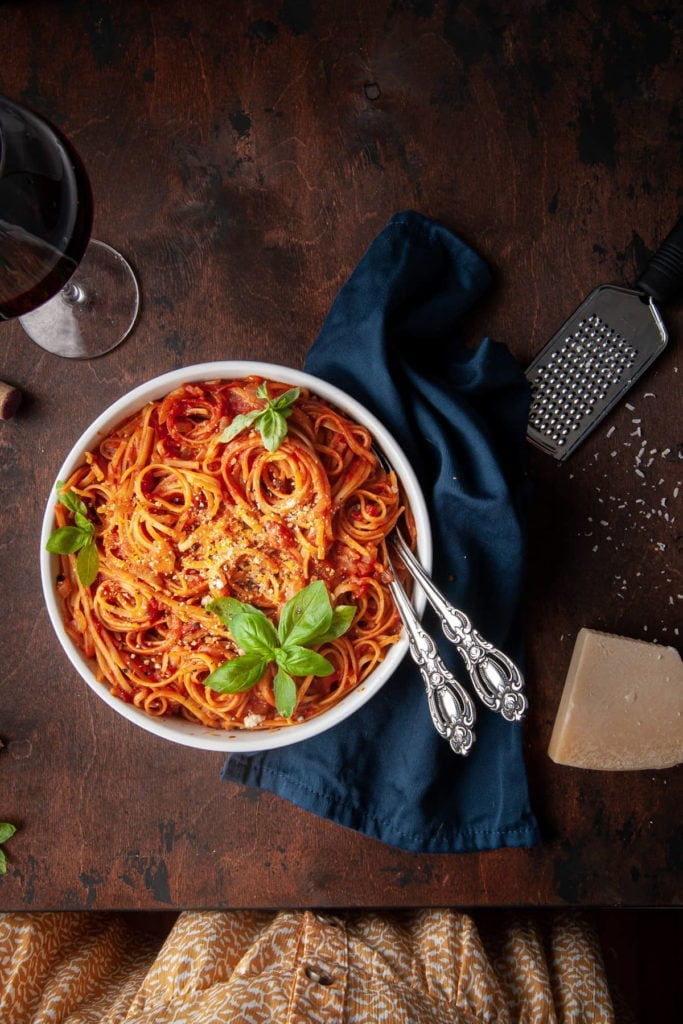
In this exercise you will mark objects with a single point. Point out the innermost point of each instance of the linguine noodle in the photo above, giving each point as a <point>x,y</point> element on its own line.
<point>182,518</point>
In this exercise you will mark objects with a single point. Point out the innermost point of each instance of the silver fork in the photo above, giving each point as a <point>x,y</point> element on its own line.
<point>450,706</point>
<point>496,679</point>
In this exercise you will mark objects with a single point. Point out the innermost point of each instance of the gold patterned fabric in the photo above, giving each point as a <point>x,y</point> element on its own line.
<point>253,967</point>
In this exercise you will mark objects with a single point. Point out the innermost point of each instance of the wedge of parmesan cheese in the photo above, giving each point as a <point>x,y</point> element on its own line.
<point>622,705</point>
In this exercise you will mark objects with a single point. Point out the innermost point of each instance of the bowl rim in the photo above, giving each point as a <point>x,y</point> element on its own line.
<point>176,729</point>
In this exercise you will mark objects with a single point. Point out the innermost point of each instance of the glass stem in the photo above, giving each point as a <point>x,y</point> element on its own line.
<point>73,294</point>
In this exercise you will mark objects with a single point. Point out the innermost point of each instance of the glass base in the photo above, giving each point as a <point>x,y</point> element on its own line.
<point>93,313</point>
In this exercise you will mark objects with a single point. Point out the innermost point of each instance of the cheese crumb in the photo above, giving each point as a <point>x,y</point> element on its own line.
<point>252,720</point>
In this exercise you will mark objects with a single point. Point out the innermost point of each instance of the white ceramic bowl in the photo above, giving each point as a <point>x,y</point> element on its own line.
<point>176,729</point>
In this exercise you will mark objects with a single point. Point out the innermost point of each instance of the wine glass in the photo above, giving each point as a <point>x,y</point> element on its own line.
<point>73,295</point>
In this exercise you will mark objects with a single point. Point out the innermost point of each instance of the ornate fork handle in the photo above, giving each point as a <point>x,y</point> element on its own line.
<point>496,679</point>
<point>450,706</point>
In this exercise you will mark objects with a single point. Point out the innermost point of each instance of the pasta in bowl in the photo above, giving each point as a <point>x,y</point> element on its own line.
<point>213,555</point>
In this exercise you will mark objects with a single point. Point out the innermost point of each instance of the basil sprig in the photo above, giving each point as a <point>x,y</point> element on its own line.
<point>307,618</point>
<point>271,421</point>
<point>67,540</point>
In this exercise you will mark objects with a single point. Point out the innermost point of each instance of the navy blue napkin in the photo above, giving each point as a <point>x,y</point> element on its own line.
<point>392,341</point>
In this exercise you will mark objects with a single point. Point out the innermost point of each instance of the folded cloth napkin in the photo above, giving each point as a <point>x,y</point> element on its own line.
<point>391,341</point>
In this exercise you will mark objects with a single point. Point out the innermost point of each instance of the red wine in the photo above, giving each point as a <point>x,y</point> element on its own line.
<point>45,211</point>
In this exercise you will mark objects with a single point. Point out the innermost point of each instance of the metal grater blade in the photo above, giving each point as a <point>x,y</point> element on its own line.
<point>589,364</point>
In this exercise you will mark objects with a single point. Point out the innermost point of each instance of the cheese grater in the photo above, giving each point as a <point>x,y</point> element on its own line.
<point>600,352</point>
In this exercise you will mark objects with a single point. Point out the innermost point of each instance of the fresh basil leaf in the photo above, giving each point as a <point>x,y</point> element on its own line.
<point>3,863</point>
<point>83,523</point>
<point>66,540</point>
<point>70,500</point>
<point>273,428</point>
<point>227,607</point>
<point>271,421</point>
<point>241,422</point>
<point>284,689</point>
<point>305,618</point>
<point>254,633</point>
<point>6,831</point>
<point>284,401</point>
<point>88,563</point>
<point>306,615</point>
<point>301,661</point>
<point>238,674</point>
<point>342,617</point>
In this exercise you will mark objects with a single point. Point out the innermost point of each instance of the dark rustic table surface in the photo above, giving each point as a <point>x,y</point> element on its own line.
<point>243,155</point>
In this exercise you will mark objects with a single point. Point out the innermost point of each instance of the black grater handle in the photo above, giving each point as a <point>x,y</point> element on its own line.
<point>663,276</point>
